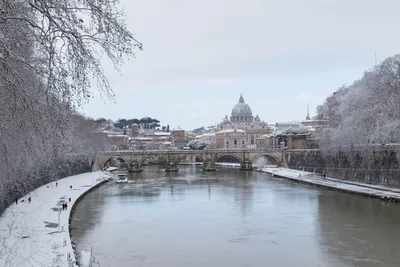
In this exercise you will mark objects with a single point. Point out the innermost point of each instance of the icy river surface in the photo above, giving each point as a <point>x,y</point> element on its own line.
<point>233,218</point>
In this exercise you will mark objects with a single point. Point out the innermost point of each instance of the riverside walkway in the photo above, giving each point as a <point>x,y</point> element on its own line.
<point>29,232</point>
<point>376,191</point>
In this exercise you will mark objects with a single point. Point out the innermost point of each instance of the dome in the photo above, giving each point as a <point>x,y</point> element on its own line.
<point>241,108</point>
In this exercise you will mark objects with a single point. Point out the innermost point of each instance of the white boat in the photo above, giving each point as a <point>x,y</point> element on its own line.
<point>122,178</point>
<point>111,169</point>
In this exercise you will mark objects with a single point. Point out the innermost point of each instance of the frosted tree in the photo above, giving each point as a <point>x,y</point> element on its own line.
<point>50,51</point>
<point>364,118</point>
<point>199,144</point>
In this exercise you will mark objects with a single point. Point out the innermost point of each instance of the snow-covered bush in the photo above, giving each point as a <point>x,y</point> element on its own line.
<point>198,144</point>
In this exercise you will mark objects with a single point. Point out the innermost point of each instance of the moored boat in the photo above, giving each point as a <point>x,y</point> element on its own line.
<point>122,178</point>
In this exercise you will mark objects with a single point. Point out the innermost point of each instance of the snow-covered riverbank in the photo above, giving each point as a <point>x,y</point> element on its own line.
<point>29,232</point>
<point>377,191</point>
<point>227,164</point>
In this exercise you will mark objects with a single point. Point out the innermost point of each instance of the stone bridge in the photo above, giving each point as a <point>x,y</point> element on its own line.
<point>171,158</point>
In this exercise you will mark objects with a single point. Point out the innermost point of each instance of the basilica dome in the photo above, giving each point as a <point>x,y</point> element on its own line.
<point>241,112</point>
<point>241,108</point>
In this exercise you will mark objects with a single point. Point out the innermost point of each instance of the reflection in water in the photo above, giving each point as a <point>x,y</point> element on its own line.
<point>361,231</point>
<point>232,218</point>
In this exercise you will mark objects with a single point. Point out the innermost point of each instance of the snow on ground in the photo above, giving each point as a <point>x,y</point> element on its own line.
<point>29,231</point>
<point>85,259</point>
<point>227,164</point>
<point>349,186</point>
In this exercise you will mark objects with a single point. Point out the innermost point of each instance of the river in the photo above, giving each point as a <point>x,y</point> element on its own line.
<point>233,218</point>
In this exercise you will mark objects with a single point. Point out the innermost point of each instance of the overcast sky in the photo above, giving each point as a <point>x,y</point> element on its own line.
<point>281,55</point>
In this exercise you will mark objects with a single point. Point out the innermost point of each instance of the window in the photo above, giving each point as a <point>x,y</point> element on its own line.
<point>235,142</point>
<point>243,142</point>
<point>227,142</point>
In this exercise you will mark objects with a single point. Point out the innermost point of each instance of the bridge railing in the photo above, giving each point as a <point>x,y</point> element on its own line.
<point>204,151</point>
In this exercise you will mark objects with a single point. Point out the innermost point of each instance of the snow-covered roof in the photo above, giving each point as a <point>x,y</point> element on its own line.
<point>118,136</point>
<point>143,138</point>
<point>178,129</point>
<point>204,135</point>
<point>113,133</point>
<point>162,133</point>
<point>287,123</point>
<point>266,135</point>
<point>231,131</point>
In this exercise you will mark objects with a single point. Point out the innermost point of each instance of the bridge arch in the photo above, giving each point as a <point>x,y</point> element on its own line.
<point>219,156</point>
<point>103,165</point>
<point>144,158</point>
<point>269,156</point>
<point>198,157</point>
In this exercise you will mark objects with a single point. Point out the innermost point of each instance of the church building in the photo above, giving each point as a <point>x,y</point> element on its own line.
<point>241,130</point>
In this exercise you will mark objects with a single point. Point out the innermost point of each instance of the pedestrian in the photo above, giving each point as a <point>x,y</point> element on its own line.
<point>70,187</point>
<point>69,199</point>
<point>324,176</point>
<point>29,199</point>
<point>66,206</point>
<point>56,184</point>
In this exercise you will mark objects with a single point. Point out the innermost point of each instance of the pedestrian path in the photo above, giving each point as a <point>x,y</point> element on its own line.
<point>377,191</point>
<point>29,232</point>
<point>373,186</point>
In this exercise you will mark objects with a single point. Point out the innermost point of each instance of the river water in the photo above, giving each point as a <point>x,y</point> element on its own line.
<point>233,218</point>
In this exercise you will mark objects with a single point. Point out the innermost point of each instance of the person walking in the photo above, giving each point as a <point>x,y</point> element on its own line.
<point>16,201</point>
<point>29,199</point>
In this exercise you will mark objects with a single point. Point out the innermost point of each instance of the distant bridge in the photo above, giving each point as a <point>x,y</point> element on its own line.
<point>171,158</point>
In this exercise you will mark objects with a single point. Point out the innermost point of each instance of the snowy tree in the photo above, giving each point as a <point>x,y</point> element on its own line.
<point>198,144</point>
<point>364,118</point>
<point>49,51</point>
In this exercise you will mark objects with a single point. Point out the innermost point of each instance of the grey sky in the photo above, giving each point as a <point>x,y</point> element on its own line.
<point>282,55</point>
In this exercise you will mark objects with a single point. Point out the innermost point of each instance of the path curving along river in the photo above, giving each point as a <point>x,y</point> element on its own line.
<point>233,218</point>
